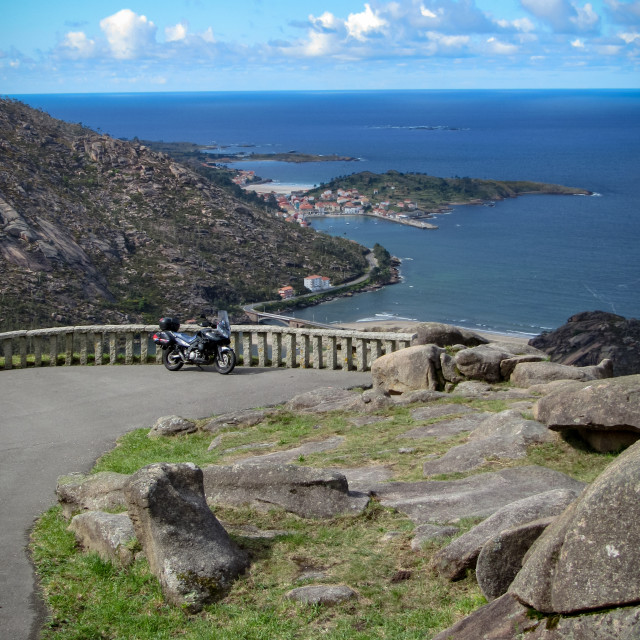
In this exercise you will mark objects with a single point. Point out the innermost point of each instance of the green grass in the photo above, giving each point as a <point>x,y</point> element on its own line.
<point>399,597</point>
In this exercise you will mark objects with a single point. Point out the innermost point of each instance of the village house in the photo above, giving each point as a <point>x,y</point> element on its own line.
<point>286,292</point>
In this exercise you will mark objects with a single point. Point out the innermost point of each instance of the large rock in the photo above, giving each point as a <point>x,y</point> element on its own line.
<point>476,496</point>
<point>187,548</point>
<point>507,619</point>
<point>505,435</point>
<point>326,399</point>
<point>605,413</point>
<point>527,374</point>
<point>94,492</point>
<point>445,335</point>
<point>482,363</point>
<point>461,554</point>
<point>239,419</point>
<point>589,557</point>
<point>290,455</point>
<point>108,534</point>
<point>316,594</point>
<point>408,369</point>
<point>168,426</point>
<point>305,491</point>
<point>500,559</point>
<point>591,336</point>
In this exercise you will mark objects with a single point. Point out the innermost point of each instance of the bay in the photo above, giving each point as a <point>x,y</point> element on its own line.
<point>522,266</point>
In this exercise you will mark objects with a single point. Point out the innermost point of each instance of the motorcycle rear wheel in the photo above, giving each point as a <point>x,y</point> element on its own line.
<point>171,358</point>
<point>225,362</point>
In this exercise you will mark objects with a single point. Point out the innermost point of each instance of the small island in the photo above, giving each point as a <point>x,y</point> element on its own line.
<point>288,156</point>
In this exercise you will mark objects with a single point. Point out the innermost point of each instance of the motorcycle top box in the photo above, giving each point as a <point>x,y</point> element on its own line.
<point>169,324</point>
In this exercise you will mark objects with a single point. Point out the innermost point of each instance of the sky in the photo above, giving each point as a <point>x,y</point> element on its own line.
<point>73,46</point>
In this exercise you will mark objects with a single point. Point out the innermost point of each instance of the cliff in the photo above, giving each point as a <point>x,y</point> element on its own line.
<point>99,230</point>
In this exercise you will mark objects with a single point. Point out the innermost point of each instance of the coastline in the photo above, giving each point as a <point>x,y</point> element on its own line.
<point>409,326</point>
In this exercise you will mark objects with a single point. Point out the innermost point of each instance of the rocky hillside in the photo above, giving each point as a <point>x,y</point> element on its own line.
<point>591,336</point>
<point>94,229</point>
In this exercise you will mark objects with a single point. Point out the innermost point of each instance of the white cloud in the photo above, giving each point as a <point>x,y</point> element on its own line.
<point>427,13</point>
<point>586,18</point>
<point>76,44</point>
<point>320,44</point>
<point>501,48</point>
<point>326,21</point>
<point>359,25</point>
<point>521,24</point>
<point>608,49</point>
<point>564,16</point>
<point>207,36</point>
<point>175,33</point>
<point>577,43</point>
<point>624,12</point>
<point>128,33</point>
<point>629,37</point>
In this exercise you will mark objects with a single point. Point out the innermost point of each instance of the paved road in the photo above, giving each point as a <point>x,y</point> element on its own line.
<point>55,421</point>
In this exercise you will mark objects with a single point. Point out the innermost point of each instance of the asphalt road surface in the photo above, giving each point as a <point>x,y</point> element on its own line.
<point>54,421</point>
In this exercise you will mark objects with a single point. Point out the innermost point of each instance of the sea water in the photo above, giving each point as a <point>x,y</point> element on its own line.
<point>522,266</point>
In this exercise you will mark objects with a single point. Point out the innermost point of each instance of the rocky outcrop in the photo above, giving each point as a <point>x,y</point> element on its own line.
<point>580,576</point>
<point>606,413</point>
<point>592,336</point>
<point>187,548</point>
<point>508,619</point>
<point>588,558</point>
<point>478,496</point>
<point>505,435</point>
<point>461,554</point>
<point>307,492</point>
<point>444,335</point>
<point>500,558</point>
<point>99,491</point>
<point>432,368</point>
<point>172,426</point>
<point>527,374</point>
<point>110,535</point>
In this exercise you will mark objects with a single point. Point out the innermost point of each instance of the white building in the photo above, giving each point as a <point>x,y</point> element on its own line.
<point>317,283</point>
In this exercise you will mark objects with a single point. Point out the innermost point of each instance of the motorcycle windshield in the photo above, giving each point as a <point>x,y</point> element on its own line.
<point>223,324</point>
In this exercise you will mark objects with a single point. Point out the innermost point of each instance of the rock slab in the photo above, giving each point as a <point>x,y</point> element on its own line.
<point>445,501</point>
<point>305,491</point>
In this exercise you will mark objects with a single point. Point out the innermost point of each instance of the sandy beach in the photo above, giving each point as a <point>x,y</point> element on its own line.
<point>406,326</point>
<point>276,187</point>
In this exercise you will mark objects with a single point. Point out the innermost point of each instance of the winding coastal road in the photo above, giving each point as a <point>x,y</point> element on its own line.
<point>55,421</point>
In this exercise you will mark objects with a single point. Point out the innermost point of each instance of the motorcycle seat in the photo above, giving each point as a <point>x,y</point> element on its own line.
<point>187,337</point>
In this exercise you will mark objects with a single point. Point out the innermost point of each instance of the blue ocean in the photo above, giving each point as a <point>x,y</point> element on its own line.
<point>521,267</point>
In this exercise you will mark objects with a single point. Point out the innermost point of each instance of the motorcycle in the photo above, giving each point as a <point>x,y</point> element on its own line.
<point>208,346</point>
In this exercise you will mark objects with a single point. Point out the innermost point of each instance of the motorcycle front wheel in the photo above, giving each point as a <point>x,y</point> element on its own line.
<point>171,358</point>
<point>225,362</point>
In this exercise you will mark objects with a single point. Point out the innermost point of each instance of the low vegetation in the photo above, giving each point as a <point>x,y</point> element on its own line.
<point>399,596</point>
<point>432,193</point>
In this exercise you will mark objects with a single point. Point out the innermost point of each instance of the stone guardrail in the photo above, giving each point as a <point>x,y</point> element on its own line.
<point>265,346</point>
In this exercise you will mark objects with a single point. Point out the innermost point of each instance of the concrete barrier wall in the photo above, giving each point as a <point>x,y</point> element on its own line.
<point>255,346</point>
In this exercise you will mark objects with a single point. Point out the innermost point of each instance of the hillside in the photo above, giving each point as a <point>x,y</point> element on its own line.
<point>99,230</point>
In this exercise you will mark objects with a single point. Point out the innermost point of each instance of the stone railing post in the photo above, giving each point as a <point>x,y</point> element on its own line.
<point>247,358</point>
<point>98,341</point>
<point>318,354</point>
<point>276,349</point>
<point>261,337</point>
<point>347,353</point>
<point>290,356</point>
